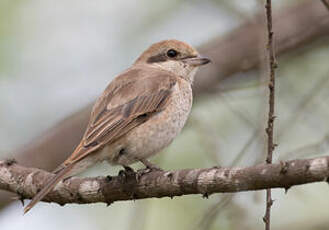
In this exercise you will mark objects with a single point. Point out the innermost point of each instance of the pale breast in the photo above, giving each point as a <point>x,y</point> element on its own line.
<point>158,132</point>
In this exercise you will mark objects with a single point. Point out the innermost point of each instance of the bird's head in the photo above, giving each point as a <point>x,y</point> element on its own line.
<point>173,56</point>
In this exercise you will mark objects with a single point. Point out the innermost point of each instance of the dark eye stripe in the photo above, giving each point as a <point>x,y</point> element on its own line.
<point>163,57</point>
<point>157,58</point>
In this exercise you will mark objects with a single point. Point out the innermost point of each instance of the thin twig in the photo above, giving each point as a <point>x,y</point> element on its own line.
<point>325,3</point>
<point>269,130</point>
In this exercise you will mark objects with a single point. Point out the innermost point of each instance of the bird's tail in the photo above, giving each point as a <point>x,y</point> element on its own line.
<point>49,186</point>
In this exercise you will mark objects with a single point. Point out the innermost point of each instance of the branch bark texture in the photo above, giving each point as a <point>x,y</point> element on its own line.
<point>27,181</point>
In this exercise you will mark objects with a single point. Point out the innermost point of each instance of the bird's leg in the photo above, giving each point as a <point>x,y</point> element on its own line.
<point>129,179</point>
<point>150,165</point>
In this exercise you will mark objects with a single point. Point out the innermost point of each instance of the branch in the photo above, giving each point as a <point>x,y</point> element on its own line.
<point>27,181</point>
<point>270,122</point>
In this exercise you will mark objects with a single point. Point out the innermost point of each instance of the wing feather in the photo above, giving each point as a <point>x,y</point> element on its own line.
<point>126,103</point>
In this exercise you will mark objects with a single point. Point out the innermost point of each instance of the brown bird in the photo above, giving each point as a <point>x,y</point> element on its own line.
<point>140,112</point>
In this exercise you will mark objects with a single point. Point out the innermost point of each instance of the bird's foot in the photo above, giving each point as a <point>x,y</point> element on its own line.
<point>128,172</point>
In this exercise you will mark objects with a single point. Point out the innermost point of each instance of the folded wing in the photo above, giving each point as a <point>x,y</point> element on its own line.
<point>130,100</point>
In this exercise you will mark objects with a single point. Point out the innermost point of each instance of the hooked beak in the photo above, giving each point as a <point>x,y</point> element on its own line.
<point>197,61</point>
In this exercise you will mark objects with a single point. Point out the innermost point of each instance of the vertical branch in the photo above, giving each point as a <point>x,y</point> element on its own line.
<point>269,130</point>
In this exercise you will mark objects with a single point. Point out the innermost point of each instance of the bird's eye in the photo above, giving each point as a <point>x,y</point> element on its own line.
<point>172,53</point>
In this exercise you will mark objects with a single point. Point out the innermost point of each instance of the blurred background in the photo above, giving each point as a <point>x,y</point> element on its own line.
<point>57,57</point>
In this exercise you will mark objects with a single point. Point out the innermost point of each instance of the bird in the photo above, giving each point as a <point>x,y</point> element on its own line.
<point>139,113</point>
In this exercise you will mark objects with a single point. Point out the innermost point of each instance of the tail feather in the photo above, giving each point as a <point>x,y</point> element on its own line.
<point>48,187</point>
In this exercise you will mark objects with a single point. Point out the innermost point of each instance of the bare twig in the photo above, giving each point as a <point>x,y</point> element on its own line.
<point>270,122</point>
<point>325,3</point>
<point>27,181</point>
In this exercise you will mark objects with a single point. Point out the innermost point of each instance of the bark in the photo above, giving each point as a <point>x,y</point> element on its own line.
<point>130,186</point>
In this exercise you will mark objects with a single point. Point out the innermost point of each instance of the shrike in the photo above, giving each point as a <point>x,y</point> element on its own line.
<point>140,112</point>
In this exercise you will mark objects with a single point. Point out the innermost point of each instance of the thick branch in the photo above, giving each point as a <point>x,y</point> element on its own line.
<point>27,181</point>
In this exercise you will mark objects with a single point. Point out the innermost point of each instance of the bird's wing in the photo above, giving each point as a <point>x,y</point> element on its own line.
<point>129,100</point>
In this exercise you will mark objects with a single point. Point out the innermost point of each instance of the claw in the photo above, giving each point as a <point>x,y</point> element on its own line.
<point>128,172</point>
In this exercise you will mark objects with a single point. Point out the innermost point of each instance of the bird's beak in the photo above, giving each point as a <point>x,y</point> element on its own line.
<point>197,61</point>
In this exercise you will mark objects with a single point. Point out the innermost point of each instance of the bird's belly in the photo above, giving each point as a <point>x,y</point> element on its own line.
<point>157,133</point>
